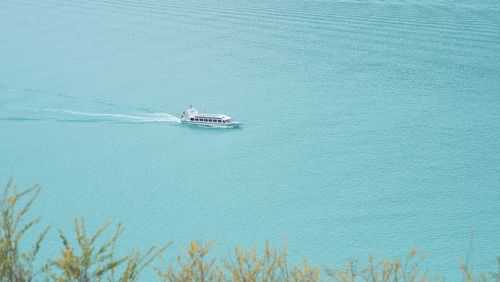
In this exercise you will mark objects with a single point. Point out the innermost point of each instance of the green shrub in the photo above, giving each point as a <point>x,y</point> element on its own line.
<point>95,262</point>
<point>17,263</point>
<point>88,261</point>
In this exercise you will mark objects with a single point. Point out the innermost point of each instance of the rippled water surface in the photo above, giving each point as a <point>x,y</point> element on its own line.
<point>369,126</point>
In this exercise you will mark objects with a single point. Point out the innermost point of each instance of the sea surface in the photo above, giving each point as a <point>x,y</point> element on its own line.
<point>370,127</point>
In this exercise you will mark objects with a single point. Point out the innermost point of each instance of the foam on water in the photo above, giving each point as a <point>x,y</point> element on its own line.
<point>31,104</point>
<point>117,117</point>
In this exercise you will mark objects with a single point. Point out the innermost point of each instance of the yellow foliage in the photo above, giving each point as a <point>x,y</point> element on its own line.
<point>87,261</point>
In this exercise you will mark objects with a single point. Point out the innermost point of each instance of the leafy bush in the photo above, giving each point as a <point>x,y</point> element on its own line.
<point>16,264</point>
<point>89,261</point>
<point>97,262</point>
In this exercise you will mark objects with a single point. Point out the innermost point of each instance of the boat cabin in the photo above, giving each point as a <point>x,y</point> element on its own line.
<point>191,115</point>
<point>210,119</point>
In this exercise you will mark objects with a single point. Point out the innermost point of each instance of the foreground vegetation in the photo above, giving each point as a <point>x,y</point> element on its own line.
<point>93,257</point>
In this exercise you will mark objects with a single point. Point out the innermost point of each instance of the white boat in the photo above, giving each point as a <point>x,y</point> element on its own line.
<point>192,116</point>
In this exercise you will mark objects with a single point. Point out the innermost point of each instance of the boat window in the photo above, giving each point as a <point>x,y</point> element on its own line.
<point>210,120</point>
<point>196,119</point>
<point>219,120</point>
<point>192,119</point>
<point>205,120</point>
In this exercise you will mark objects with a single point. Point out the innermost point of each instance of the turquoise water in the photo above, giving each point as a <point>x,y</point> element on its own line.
<point>369,126</point>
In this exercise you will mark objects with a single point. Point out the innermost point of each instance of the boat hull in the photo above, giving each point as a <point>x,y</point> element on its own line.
<point>212,124</point>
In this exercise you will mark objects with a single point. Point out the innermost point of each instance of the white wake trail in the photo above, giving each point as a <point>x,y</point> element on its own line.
<point>116,117</point>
